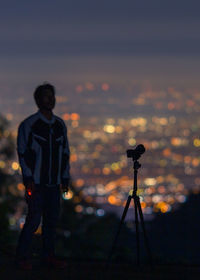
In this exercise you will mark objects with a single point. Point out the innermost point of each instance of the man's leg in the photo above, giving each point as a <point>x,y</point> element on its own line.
<point>31,224</point>
<point>51,209</point>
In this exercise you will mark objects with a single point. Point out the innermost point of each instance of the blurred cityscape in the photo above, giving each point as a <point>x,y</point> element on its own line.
<point>104,121</point>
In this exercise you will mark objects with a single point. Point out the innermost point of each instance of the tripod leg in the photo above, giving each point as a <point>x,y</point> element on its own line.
<point>144,231</point>
<point>119,228</point>
<point>137,231</point>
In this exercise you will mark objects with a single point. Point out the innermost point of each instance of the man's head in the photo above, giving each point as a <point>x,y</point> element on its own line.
<point>44,96</point>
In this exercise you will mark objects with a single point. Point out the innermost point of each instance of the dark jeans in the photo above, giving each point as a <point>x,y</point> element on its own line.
<point>45,203</point>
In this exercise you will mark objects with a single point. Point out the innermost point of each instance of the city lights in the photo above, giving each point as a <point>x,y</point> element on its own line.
<point>2,164</point>
<point>67,195</point>
<point>15,165</point>
<point>98,144</point>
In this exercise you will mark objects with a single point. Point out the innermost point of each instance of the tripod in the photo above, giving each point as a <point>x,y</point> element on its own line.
<point>138,210</point>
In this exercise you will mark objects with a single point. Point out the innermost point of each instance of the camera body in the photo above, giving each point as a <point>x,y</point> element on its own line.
<point>136,153</point>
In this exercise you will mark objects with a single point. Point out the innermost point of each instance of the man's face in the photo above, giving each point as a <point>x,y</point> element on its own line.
<point>48,100</point>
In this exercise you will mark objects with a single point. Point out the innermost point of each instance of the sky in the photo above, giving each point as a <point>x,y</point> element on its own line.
<point>108,40</point>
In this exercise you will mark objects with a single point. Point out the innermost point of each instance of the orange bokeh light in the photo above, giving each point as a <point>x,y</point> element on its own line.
<point>75,117</point>
<point>73,158</point>
<point>105,86</point>
<point>66,117</point>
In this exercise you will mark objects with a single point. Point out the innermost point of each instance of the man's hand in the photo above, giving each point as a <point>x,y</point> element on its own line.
<point>30,187</point>
<point>65,186</point>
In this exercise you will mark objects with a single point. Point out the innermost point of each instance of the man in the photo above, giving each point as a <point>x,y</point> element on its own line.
<point>43,152</point>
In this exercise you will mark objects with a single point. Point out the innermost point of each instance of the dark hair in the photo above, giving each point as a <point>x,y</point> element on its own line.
<point>40,90</point>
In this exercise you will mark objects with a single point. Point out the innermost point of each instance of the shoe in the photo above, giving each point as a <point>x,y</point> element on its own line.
<point>52,261</point>
<point>24,264</point>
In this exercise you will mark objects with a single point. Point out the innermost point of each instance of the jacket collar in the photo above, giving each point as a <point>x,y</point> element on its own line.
<point>45,119</point>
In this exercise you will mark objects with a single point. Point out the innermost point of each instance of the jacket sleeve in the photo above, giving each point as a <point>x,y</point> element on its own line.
<point>22,146</point>
<point>65,158</point>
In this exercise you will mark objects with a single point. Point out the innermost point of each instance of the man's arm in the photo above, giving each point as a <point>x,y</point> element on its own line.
<point>22,142</point>
<point>65,176</point>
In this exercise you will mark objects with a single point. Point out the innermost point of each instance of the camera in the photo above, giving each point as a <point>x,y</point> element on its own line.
<point>136,153</point>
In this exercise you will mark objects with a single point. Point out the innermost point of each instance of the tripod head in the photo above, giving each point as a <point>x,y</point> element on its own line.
<point>136,153</point>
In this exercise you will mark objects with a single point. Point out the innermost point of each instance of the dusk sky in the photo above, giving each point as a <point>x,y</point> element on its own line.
<point>82,40</point>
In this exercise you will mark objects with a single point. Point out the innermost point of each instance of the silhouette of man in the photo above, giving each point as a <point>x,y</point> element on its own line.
<point>43,152</point>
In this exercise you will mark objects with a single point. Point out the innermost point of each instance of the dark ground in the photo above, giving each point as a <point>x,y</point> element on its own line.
<point>175,244</point>
<point>95,270</point>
